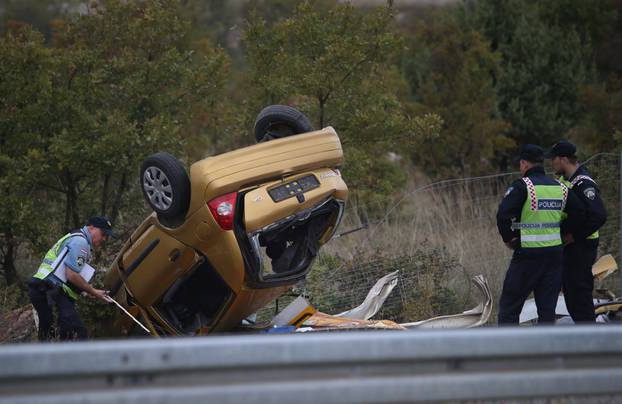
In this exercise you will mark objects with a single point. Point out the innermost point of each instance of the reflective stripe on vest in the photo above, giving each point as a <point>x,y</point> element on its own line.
<point>45,269</point>
<point>541,215</point>
<point>540,237</point>
<point>574,182</point>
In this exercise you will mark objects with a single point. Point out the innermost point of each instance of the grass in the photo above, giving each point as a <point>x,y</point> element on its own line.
<point>457,216</point>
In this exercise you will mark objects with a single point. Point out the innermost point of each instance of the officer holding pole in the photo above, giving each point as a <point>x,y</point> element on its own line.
<point>63,275</point>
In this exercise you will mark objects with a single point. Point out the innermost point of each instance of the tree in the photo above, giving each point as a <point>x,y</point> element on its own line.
<point>24,89</point>
<point>545,58</point>
<point>451,70</point>
<point>600,121</point>
<point>337,67</point>
<point>600,124</point>
<point>77,118</point>
<point>125,82</point>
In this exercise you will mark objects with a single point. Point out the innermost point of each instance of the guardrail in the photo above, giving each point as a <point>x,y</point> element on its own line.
<point>362,367</point>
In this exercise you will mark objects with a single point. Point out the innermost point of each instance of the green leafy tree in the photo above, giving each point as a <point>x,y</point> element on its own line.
<point>24,87</point>
<point>601,100</point>
<point>546,56</point>
<point>451,70</point>
<point>538,87</point>
<point>77,118</point>
<point>337,67</point>
<point>601,117</point>
<point>125,83</point>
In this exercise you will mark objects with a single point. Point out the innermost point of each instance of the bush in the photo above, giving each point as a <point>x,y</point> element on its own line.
<point>12,297</point>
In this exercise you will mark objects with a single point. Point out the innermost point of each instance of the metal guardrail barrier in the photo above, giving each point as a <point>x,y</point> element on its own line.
<point>361,367</point>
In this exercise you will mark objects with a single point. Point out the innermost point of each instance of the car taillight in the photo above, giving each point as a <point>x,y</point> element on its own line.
<point>223,210</point>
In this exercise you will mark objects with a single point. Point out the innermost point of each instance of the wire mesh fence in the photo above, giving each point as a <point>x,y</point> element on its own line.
<point>437,236</point>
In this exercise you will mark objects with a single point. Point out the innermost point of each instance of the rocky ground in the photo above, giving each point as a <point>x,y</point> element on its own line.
<point>18,325</point>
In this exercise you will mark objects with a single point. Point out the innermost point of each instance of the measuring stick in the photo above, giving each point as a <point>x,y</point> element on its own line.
<point>126,312</point>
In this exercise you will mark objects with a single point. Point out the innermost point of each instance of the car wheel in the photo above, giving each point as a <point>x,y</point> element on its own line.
<point>165,185</point>
<point>278,121</point>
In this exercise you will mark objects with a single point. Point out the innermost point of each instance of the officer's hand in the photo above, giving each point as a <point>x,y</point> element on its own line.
<point>567,239</point>
<point>512,244</point>
<point>102,295</point>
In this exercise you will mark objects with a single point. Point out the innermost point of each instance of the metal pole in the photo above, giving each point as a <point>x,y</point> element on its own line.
<point>126,312</point>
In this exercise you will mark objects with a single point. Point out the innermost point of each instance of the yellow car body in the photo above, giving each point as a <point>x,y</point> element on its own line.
<point>280,201</point>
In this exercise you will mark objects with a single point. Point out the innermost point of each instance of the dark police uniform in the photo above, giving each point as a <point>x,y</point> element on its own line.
<point>577,278</point>
<point>578,258</point>
<point>535,267</point>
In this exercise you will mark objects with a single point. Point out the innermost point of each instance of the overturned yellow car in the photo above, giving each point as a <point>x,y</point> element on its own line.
<point>235,233</point>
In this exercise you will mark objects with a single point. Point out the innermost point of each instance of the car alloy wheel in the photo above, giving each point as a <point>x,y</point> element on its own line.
<point>158,188</point>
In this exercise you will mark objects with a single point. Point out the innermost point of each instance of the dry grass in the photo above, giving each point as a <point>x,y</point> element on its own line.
<point>457,215</point>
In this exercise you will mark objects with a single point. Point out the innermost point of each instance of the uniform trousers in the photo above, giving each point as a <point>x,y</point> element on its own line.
<point>531,270</point>
<point>44,296</point>
<point>578,281</point>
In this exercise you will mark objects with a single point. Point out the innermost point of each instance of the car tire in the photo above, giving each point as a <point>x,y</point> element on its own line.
<point>166,186</point>
<point>278,121</point>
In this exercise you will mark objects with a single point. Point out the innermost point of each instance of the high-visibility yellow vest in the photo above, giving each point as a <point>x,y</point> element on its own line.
<point>571,184</point>
<point>45,269</point>
<point>541,215</point>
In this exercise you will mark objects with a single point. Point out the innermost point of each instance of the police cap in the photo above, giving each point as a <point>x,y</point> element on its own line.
<point>563,148</point>
<point>101,222</point>
<point>531,153</point>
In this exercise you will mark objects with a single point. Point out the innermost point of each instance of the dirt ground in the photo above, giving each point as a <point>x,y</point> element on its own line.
<point>18,325</point>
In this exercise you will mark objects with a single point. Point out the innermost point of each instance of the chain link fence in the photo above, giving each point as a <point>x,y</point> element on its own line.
<point>438,236</point>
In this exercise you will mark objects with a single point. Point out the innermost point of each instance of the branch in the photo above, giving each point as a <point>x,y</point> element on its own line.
<point>51,187</point>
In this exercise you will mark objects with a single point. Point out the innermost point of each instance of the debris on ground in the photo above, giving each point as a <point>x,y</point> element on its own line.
<point>607,306</point>
<point>475,317</point>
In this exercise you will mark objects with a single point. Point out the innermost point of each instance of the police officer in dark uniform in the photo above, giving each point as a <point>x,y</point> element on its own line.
<point>580,247</point>
<point>529,219</point>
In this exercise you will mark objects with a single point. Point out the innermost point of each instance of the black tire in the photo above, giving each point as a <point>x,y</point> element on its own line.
<point>166,186</point>
<point>278,121</point>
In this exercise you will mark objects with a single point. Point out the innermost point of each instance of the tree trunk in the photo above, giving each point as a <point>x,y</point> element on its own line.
<point>72,216</point>
<point>118,198</point>
<point>8,260</point>
<point>67,211</point>
<point>74,207</point>
<point>104,200</point>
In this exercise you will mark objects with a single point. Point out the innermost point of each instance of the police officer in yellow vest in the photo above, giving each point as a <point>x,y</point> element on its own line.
<point>529,220</point>
<point>580,247</point>
<point>68,257</point>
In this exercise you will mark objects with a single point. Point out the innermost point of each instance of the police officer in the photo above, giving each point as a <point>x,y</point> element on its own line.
<point>47,290</point>
<point>581,246</point>
<point>528,220</point>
